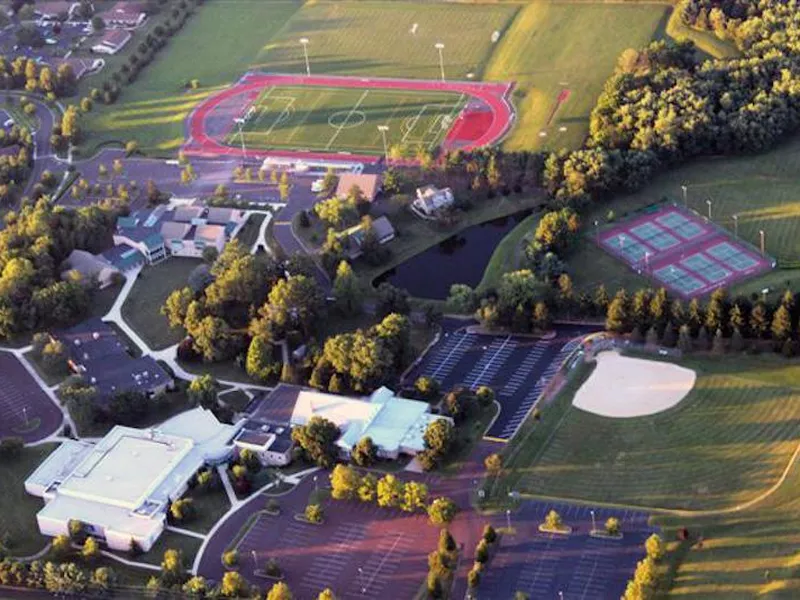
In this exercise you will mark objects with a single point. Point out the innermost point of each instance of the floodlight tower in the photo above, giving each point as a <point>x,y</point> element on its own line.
<point>383,129</point>
<point>440,47</point>
<point>304,42</point>
<point>240,122</point>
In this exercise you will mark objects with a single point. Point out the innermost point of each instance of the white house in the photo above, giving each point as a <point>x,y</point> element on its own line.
<point>121,487</point>
<point>430,200</point>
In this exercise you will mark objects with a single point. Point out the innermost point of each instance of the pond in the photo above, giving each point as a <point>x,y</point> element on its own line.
<point>461,258</point>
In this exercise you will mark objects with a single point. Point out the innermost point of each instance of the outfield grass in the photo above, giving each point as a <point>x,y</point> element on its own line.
<point>725,443</point>
<point>374,38</point>
<point>338,119</point>
<point>142,307</point>
<point>554,46</point>
<point>763,190</point>
<point>17,508</point>
<point>217,45</point>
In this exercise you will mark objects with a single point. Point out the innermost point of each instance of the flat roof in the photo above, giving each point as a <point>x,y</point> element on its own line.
<point>126,467</point>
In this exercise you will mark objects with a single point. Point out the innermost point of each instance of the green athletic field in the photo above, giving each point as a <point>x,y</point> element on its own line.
<point>336,119</point>
<point>727,442</point>
<point>552,46</point>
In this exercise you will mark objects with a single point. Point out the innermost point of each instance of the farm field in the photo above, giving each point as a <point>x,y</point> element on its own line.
<point>763,190</point>
<point>569,48</point>
<point>725,443</point>
<point>153,110</point>
<point>347,118</point>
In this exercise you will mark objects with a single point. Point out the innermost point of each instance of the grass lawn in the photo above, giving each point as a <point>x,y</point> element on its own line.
<point>219,370</point>
<point>763,190</point>
<point>169,540</point>
<point>248,234</point>
<point>509,255</point>
<point>552,47</point>
<point>236,399</point>
<point>51,378</point>
<point>340,119</point>
<point>467,435</point>
<point>725,443</point>
<point>154,108</point>
<point>17,508</point>
<point>103,300</point>
<point>210,506</point>
<point>142,306</point>
<point>373,38</point>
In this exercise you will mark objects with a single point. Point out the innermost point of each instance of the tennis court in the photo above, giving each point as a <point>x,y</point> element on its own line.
<point>682,251</point>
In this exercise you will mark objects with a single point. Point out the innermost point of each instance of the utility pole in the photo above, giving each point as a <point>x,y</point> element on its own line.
<point>304,42</point>
<point>440,47</point>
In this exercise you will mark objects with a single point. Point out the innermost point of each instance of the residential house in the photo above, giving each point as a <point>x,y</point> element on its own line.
<point>112,41</point>
<point>90,267</point>
<point>431,200</point>
<point>369,184</point>
<point>54,10</point>
<point>353,237</point>
<point>124,14</point>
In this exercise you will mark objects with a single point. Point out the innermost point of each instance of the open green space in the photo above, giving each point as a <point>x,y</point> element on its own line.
<point>335,119</point>
<point>557,46</point>
<point>236,399</point>
<point>210,505</point>
<point>763,191</point>
<point>17,508</point>
<point>217,45</point>
<point>142,307</point>
<point>378,38</point>
<point>52,376</point>
<point>248,234</point>
<point>726,443</point>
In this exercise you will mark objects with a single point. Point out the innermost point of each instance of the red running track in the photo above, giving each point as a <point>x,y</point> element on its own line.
<point>493,95</point>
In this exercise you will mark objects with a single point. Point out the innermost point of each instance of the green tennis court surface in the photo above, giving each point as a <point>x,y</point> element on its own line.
<point>347,119</point>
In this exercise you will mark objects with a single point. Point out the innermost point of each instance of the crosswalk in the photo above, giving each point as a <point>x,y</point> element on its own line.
<point>490,363</point>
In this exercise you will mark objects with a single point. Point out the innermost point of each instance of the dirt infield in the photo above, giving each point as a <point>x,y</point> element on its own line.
<point>624,387</point>
<point>484,120</point>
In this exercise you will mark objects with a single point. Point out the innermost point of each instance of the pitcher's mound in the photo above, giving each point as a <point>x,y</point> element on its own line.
<point>633,387</point>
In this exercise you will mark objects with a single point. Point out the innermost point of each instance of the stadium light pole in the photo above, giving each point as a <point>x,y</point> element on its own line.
<point>440,47</point>
<point>761,234</point>
<point>685,201</point>
<point>383,129</point>
<point>240,122</point>
<point>708,202</point>
<point>594,524</point>
<point>736,226</point>
<point>508,519</point>
<point>304,42</point>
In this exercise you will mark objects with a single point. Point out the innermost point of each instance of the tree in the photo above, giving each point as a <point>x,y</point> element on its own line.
<point>230,558</point>
<point>196,587</point>
<point>103,579</point>
<point>612,526</point>
<point>489,534</point>
<point>203,391</point>
<point>336,212</point>
<point>347,290</point>
<point>485,395</point>
<point>447,544</point>
<point>541,317</point>
<point>326,594</point>
<point>655,548</point>
<point>317,438</point>
<point>759,320</point>
<point>367,491</point>
<point>415,496</point>
<point>345,482</point>
<point>365,452</point>
<point>70,127</point>
<point>781,324</point>
<point>389,491</point>
<point>172,570</point>
<point>261,363</point>
<point>553,521</point>
<point>182,510</point>
<point>442,511</point>
<point>294,303</point>
<point>62,545</point>
<point>462,299</point>
<point>438,439</point>
<point>233,585</point>
<point>684,339</point>
<point>617,318</point>
<point>314,513</point>
<point>279,591</point>
<point>390,299</point>
<point>91,549</point>
<point>474,578</point>
<point>427,388</point>
<point>482,552</point>
<point>493,463</point>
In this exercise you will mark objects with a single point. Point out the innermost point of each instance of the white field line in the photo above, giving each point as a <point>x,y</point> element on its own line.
<point>383,560</point>
<point>376,140</point>
<point>260,107</point>
<point>491,360</point>
<point>279,119</point>
<point>413,123</point>
<point>449,354</point>
<point>347,118</point>
<point>457,108</point>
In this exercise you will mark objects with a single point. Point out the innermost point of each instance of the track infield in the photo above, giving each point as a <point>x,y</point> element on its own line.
<point>325,117</point>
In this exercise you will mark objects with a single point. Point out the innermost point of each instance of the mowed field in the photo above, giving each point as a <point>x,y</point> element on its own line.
<point>727,442</point>
<point>348,118</point>
<point>763,190</point>
<point>229,37</point>
<point>552,47</point>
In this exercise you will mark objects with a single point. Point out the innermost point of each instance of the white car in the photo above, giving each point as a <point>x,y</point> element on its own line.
<point>317,186</point>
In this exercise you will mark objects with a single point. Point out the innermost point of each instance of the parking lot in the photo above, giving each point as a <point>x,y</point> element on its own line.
<point>25,410</point>
<point>360,551</point>
<point>516,368</point>
<point>575,567</point>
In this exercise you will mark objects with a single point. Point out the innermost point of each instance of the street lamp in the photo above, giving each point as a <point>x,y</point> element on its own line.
<point>255,560</point>
<point>240,122</point>
<point>25,414</point>
<point>304,42</point>
<point>761,234</point>
<point>361,578</point>
<point>383,129</point>
<point>684,188</point>
<point>597,230</point>
<point>508,518</point>
<point>440,46</point>
<point>736,226</point>
<point>594,524</point>
<point>316,489</point>
<point>708,202</point>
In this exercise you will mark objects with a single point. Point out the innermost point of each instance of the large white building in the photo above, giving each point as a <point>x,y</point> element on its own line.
<point>396,425</point>
<point>121,487</point>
